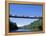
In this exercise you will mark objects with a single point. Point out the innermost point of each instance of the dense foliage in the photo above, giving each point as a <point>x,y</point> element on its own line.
<point>12,26</point>
<point>36,25</point>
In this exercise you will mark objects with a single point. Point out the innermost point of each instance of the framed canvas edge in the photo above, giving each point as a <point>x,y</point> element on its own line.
<point>7,17</point>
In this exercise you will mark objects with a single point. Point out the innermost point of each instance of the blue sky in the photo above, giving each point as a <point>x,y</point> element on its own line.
<point>24,10</point>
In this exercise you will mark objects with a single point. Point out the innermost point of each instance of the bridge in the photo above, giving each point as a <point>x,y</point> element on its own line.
<point>25,17</point>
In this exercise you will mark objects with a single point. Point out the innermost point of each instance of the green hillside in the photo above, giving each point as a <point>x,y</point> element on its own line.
<point>36,25</point>
<point>12,26</point>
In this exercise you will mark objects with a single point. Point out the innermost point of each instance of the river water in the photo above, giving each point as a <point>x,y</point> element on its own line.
<point>22,30</point>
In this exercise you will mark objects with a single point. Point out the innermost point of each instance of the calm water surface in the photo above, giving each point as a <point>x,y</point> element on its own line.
<point>22,30</point>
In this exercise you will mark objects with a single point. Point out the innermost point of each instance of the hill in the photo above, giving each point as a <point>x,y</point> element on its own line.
<point>36,25</point>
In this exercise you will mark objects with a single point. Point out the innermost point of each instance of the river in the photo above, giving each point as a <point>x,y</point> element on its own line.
<point>22,30</point>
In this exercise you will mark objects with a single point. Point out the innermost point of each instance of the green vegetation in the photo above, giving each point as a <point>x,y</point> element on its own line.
<point>12,26</point>
<point>36,25</point>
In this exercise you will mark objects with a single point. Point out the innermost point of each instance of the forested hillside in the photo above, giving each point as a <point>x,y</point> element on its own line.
<point>36,25</point>
<point>12,26</point>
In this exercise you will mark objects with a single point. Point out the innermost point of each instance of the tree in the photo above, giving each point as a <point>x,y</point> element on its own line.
<point>12,26</point>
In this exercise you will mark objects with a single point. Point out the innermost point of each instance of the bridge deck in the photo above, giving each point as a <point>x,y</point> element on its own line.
<point>25,17</point>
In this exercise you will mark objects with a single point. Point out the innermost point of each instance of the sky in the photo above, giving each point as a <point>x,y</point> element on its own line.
<point>24,10</point>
